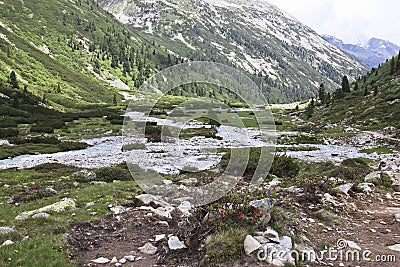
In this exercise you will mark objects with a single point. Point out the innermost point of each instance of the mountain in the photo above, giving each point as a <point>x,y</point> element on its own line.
<point>373,52</point>
<point>288,59</point>
<point>73,53</point>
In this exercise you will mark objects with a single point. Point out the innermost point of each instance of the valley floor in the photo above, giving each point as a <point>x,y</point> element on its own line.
<point>343,187</point>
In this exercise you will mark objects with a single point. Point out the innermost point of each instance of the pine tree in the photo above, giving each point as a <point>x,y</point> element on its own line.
<point>375,90</point>
<point>328,99</point>
<point>13,80</point>
<point>309,109</point>
<point>366,91</point>
<point>356,86</point>
<point>345,85</point>
<point>392,66</point>
<point>115,100</point>
<point>321,93</point>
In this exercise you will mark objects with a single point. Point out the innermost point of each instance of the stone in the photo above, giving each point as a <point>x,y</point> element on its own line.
<point>167,182</point>
<point>66,203</point>
<point>118,264</point>
<point>307,251</point>
<point>163,223</point>
<point>89,204</point>
<point>345,188</point>
<point>41,215</point>
<point>395,247</point>
<point>51,190</point>
<point>101,260</point>
<point>6,230</point>
<point>397,217</point>
<point>118,210</point>
<point>148,248</point>
<point>374,178</point>
<point>147,199</point>
<point>86,174</point>
<point>286,242</point>
<point>123,260</point>
<point>185,207</point>
<point>7,243</point>
<point>265,207</point>
<point>190,181</point>
<point>367,187</point>
<point>353,245</point>
<point>174,243</point>
<point>251,244</point>
<point>278,255</point>
<point>272,235</point>
<point>275,182</point>
<point>159,238</point>
<point>261,239</point>
<point>114,260</point>
<point>130,258</point>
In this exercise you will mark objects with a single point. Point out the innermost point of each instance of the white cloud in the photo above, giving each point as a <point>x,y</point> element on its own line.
<point>349,20</point>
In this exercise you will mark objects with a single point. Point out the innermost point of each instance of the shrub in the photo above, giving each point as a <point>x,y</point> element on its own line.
<point>41,129</point>
<point>7,133</point>
<point>109,174</point>
<point>68,146</point>
<point>8,123</point>
<point>351,169</point>
<point>284,166</point>
<point>36,140</point>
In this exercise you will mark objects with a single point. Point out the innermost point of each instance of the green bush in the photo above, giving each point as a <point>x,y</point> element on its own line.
<point>41,129</point>
<point>68,146</point>
<point>8,123</point>
<point>351,169</point>
<point>7,133</point>
<point>284,166</point>
<point>109,174</point>
<point>36,140</point>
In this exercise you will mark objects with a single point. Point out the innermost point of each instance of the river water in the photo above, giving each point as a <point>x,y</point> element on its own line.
<point>197,153</point>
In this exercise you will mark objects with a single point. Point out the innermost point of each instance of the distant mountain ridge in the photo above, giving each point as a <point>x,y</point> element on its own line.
<point>372,53</point>
<point>286,58</point>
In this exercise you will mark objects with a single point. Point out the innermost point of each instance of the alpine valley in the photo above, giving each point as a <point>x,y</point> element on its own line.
<point>96,171</point>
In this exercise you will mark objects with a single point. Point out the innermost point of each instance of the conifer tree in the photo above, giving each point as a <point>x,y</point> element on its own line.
<point>356,86</point>
<point>375,90</point>
<point>365,91</point>
<point>13,80</point>
<point>310,109</point>
<point>321,93</point>
<point>392,66</point>
<point>345,85</point>
<point>115,100</point>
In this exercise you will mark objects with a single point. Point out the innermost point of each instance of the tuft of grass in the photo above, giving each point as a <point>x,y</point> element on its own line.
<point>378,150</point>
<point>226,246</point>
<point>278,219</point>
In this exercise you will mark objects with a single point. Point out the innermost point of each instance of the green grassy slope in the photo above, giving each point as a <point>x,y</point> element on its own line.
<point>70,51</point>
<point>373,103</point>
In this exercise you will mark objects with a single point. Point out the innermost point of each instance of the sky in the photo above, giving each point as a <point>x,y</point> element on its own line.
<point>352,21</point>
